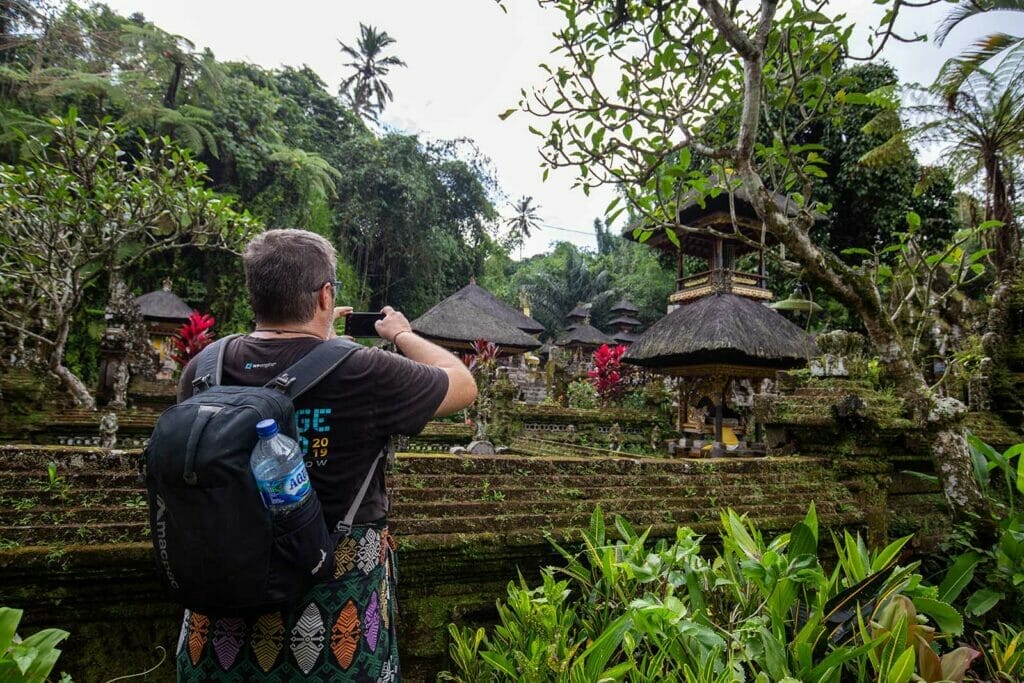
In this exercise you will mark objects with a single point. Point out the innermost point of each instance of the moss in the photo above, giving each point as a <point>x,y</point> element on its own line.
<point>992,429</point>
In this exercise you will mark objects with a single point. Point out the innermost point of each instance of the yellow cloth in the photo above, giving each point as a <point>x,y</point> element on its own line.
<point>729,437</point>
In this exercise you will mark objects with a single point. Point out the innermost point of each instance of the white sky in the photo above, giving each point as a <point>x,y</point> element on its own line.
<point>467,61</point>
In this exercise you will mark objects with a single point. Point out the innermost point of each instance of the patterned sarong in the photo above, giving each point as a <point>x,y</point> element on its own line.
<point>341,630</point>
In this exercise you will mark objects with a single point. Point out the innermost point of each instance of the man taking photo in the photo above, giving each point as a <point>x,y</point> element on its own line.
<point>343,629</point>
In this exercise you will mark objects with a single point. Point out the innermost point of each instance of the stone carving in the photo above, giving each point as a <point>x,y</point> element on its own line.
<point>108,430</point>
<point>125,349</point>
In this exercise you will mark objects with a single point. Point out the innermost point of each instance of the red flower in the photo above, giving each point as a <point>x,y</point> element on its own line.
<point>607,373</point>
<point>192,337</point>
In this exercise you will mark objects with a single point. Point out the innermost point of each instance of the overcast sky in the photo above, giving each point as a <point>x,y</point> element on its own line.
<point>467,61</point>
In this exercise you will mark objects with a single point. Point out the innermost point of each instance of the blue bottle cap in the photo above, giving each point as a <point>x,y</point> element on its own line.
<point>266,428</point>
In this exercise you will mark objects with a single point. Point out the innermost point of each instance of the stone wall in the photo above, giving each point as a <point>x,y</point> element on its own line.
<point>74,550</point>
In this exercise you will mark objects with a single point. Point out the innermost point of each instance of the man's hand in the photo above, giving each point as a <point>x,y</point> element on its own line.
<point>461,385</point>
<point>339,312</point>
<point>392,324</point>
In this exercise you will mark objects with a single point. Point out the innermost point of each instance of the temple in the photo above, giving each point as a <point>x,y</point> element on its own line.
<point>718,329</point>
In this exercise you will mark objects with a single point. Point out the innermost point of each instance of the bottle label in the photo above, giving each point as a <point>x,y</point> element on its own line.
<point>287,490</point>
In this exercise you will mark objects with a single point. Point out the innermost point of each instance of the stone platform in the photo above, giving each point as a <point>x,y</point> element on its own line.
<point>74,551</point>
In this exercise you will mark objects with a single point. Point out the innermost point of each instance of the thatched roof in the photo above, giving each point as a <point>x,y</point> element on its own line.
<point>164,305</point>
<point>487,302</point>
<point>458,321</point>
<point>626,338</point>
<point>624,306</point>
<point>716,213</point>
<point>625,320</point>
<point>584,334</point>
<point>581,312</point>
<point>725,330</point>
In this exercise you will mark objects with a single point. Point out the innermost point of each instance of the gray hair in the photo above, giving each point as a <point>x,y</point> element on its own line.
<point>284,271</point>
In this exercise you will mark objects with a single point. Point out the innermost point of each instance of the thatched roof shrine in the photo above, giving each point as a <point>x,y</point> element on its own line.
<point>579,314</point>
<point>625,337</point>
<point>584,335</point>
<point>717,214</point>
<point>625,321</point>
<point>625,307</point>
<point>721,334</point>
<point>456,323</point>
<point>163,305</point>
<point>487,302</point>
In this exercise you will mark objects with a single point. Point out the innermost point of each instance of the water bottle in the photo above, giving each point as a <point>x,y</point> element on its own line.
<point>279,469</point>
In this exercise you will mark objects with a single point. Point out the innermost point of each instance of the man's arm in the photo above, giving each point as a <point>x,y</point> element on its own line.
<point>461,385</point>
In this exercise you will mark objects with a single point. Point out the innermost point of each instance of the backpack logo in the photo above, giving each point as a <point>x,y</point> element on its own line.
<point>161,541</point>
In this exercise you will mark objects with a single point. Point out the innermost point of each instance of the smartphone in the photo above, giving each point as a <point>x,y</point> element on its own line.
<point>361,324</point>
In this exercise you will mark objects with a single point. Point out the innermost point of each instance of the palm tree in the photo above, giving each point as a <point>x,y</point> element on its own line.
<point>982,126</point>
<point>956,71</point>
<point>524,220</point>
<point>365,90</point>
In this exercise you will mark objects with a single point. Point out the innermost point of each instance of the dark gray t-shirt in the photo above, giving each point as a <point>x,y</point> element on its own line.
<point>346,419</point>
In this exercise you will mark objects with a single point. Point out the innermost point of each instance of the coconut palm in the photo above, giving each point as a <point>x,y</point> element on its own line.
<point>955,71</point>
<point>365,90</point>
<point>982,128</point>
<point>524,219</point>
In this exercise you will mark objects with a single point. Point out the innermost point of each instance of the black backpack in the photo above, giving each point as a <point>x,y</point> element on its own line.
<point>217,548</point>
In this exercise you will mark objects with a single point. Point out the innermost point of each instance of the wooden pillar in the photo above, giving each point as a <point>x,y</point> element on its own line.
<point>719,408</point>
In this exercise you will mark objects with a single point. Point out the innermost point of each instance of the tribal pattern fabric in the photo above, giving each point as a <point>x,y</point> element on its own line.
<point>341,630</point>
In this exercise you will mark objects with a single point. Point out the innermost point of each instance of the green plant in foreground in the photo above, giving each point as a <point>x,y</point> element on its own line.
<point>1003,651</point>
<point>29,660</point>
<point>762,611</point>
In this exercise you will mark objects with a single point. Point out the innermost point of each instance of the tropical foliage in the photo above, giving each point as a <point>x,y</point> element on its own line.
<point>28,660</point>
<point>626,608</point>
<point>78,212</point>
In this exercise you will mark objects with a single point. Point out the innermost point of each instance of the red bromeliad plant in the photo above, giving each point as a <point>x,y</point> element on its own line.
<point>192,337</point>
<point>608,376</point>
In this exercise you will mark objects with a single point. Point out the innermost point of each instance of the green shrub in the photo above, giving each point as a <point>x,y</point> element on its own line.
<point>758,611</point>
<point>581,394</point>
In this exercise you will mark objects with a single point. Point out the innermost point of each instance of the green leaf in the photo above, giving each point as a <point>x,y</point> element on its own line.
<point>9,619</point>
<point>982,601</point>
<point>500,663</point>
<point>889,553</point>
<point>903,668</point>
<point>507,113</point>
<point>673,237</point>
<point>947,618</point>
<point>913,221</point>
<point>802,541</point>
<point>597,526</point>
<point>958,576</point>
<point>685,158</point>
<point>604,646</point>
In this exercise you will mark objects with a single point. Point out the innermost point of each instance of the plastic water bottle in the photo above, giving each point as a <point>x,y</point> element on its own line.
<point>279,469</point>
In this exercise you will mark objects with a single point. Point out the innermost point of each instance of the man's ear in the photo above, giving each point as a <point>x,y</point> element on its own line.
<point>325,299</point>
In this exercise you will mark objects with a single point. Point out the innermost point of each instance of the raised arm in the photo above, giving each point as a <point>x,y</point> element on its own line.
<point>461,385</point>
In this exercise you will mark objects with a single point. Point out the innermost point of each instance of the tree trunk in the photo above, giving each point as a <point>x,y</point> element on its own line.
<point>949,447</point>
<point>75,386</point>
<point>171,96</point>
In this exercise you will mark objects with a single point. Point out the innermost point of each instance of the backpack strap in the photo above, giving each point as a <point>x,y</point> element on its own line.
<point>345,526</point>
<point>307,372</point>
<point>210,364</point>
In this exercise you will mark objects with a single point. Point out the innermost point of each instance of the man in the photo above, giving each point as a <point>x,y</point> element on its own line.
<point>343,629</point>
